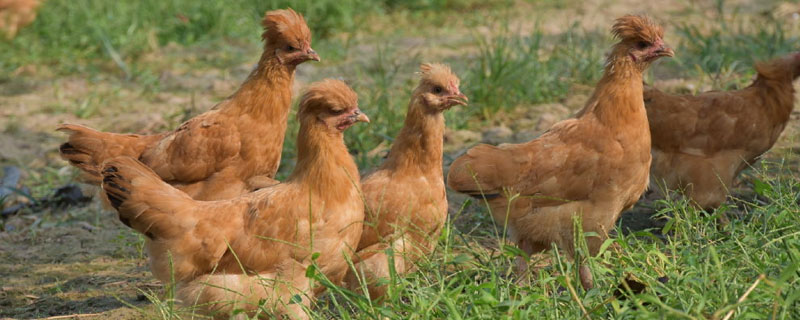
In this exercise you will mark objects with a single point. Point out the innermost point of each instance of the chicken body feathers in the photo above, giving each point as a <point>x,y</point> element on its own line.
<point>215,139</point>
<point>256,247</point>
<point>406,202</point>
<point>593,166</point>
<point>709,123</point>
<point>702,142</point>
<point>178,228</point>
<point>562,165</point>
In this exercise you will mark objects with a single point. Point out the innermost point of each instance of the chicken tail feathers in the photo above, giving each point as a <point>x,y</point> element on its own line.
<point>479,172</point>
<point>82,161</point>
<point>112,184</point>
<point>144,202</point>
<point>87,149</point>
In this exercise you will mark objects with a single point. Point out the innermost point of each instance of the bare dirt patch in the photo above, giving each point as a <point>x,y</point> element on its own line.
<point>75,268</point>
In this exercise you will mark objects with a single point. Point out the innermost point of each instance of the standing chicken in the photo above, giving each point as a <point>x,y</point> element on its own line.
<point>593,166</point>
<point>232,149</point>
<point>406,205</point>
<point>701,143</point>
<point>231,254</point>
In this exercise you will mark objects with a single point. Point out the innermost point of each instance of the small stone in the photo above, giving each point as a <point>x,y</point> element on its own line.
<point>524,124</point>
<point>69,195</point>
<point>526,135</point>
<point>546,121</point>
<point>497,135</point>
<point>458,139</point>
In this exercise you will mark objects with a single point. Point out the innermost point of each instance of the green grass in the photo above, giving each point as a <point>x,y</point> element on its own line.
<point>70,34</point>
<point>128,44</point>
<point>728,50</point>
<point>750,268</point>
<point>513,70</point>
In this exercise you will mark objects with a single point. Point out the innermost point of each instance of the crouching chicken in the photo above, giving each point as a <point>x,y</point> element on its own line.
<point>252,252</point>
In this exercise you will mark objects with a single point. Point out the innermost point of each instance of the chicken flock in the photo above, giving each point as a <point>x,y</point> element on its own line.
<point>231,237</point>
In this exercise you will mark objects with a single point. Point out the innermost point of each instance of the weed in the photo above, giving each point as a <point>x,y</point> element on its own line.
<point>512,70</point>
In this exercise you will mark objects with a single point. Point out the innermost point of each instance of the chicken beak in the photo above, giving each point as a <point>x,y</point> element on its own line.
<point>312,55</point>
<point>359,116</point>
<point>458,98</point>
<point>665,51</point>
<point>461,99</point>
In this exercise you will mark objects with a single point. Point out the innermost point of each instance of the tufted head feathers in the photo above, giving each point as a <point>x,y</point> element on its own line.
<point>641,42</point>
<point>285,24</point>
<point>328,94</point>
<point>438,86</point>
<point>287,36</point>
<point>333,102</point>
<point>438,74</point>
<point>637,28</point>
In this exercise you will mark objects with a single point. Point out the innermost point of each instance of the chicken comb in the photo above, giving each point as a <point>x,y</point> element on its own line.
<point>438,73</point>
<point>330,94</point>
<point>285,23</point>
<point>636,27</point>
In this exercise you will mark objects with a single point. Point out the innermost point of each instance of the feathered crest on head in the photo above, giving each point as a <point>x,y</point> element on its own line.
<point>636,27</point>
<point>328,94</point>
<point>439,74</point>
<point>284,23</point>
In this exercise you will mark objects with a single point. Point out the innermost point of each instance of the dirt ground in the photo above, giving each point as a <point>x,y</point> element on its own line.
<point>71,268</point>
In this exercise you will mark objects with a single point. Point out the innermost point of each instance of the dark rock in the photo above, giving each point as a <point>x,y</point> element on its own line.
<point>11,176</point>
<point>69,195</point>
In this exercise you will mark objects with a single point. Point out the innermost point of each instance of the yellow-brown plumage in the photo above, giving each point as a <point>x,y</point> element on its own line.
<point>702,142</point>
<point>227,151</point>
<point>593,166</point>
<point>231,254</point>
<point>406,205</point>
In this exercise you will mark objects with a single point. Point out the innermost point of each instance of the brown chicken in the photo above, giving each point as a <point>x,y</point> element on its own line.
<point>231,254</point>
<point>406,205</point>
<point>593,166</point>
<point>227,151</point>
<point>15,15</point>
<point>701,143</point>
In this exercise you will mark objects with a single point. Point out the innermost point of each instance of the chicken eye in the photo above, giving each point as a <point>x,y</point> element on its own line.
<point>437,89</point>
<point>290,48</point>
<point>642,44</point>
<point>337,112</point>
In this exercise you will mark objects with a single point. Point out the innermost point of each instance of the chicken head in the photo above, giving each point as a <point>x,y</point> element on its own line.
<point>288,35</point>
